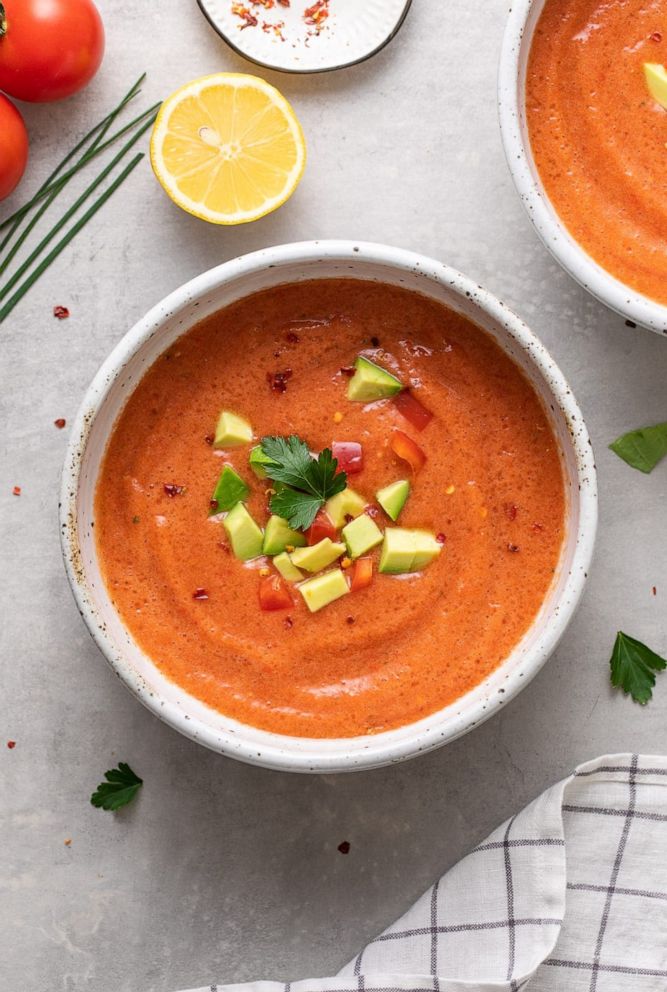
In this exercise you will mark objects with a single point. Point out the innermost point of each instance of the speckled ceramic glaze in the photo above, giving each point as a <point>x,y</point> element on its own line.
<point>511,101</point>
<point>154,334</point>
<point>282,39</point>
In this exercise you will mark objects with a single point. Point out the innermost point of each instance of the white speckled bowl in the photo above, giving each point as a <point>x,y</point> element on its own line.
<point>518,38</point>
<point>153,335</point>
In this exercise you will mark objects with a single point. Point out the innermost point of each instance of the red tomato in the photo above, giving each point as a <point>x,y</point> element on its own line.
<point>321,527</point>
<point>415,412</point>
<point>350,456</point>
<point>274,594</point>
<point>49,49</point>
<point>408,450</point>
<point>13,147</point>
<point>362,574</point>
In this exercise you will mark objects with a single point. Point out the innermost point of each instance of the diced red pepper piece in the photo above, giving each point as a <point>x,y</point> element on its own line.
<point>408,450</point>
<point>350,456</point>
<point>321,527</point>
<point>414,412</point>
<point>274,594</point>
<point>362,574</point>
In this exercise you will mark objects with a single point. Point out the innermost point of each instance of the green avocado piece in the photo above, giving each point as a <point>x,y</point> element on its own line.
<point>278,535</point>
<point>245,536</point>
<point>392,498</point>
<point>371,382</point>
<point>343,505</point>
<point>229,491</point>
<point>324,589</point>
<point>258,460</point>
<point>232,431</point>
<point>406,550</point>
<point>318,556</point>
<point>284,565</point>
<point>360,535</point>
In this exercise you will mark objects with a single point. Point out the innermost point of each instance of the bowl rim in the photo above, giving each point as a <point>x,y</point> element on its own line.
<point>389,746</point>
<point>604,286</point>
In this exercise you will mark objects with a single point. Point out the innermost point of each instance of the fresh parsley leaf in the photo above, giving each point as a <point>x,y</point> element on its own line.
<point>120,788</point>
<point>644,448</point>
<point>312,481</point>
<point>633,667</point>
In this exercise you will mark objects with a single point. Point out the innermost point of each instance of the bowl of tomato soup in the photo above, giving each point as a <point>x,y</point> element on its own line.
<point>583,112</point>
<point>327,506</point>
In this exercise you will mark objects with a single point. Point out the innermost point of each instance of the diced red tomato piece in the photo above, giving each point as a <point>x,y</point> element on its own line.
<point>408,450</point>
<point>321,527</point>
<point>350,456</point>
<point>274,594</point>
<point>414,412</point>
<point>362,574</point>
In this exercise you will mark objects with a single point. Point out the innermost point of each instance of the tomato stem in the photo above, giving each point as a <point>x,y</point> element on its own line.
<point>3,21</point>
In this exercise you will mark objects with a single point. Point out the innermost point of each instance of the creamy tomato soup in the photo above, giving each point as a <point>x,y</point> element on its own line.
<point>599,139</point>
<point>466,435</point>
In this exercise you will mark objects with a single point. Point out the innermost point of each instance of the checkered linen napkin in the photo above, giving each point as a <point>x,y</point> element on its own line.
<point>570,894</point>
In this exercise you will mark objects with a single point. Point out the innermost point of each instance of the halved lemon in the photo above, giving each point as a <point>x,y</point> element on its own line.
<point>228,148</point>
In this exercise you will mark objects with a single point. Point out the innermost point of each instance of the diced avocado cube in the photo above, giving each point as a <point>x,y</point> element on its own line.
<point>324,589</point>
<point>229,491</point>
<point>360,535</point>
<point>392,498</point>
<point>257,461</point>
<point>426,549</point>
<point>343,505</point>
<point>278,535</point>
<point>371,382</point>
<point>318,556</point>
<point>245,536</point>
<point>232,431</point>
<point>290,572</point>
<point>407,550</point>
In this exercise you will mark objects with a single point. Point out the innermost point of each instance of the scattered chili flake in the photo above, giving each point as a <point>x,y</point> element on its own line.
<point>317,13</point>
<point>136,520</point>
<point>11,745</point>
<point>16,491</point>
<point>440,538</point>
<point>288,623</point>
<point>61,313</point>
<point>656,36</point>
<point>278,380</point>
<point>511,510</point>
<point>283,3</point>
<point>246,15</point>
<point>654,590</point>
<point>292,337</point>
<point>344,847</point>
<point>172,489</point>
<point>348,371</point>
<point>200,594</point>
<point>68,842</point>
<point>513,547</point>
<point>375,342</point>
<point>213,503</point>
<point>209,438</point>
<point>267,4</point>
<point>349,620</point>
<point>538,527</point>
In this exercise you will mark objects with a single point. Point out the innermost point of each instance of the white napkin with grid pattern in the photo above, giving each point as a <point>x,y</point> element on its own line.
<point>570,894</point>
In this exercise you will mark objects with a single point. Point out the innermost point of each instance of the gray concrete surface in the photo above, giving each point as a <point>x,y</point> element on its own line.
<point>222,871</point>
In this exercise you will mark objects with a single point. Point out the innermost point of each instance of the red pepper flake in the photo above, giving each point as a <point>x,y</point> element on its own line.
<point>61,313</point>
<point>172,489</point>
<point>349,620</point>
<point>288,623</point>
<point>213,503</point>
<point>209,438</point>
<point>246,15</point>
<point>538,527</point>
<point>511,511</point>
<point>513,548</point>
<point>348,371</point>
<point>11,745</point>
<point>656,36</point>
<point>654,590</point>
<point>60,423</point>
<point>278,380</point>
<point>68,842</point>
<point>292,337</point>
<point>344,847</point>
<point>440,538</point>
<point>317,13</point>
<point>375,342</point>
<point>283,3</point>
<point>16,491</point>
<point>200,594</point>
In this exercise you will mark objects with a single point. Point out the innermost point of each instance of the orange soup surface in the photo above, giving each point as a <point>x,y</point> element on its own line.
<point>491,489</point>
<point>598,138</point>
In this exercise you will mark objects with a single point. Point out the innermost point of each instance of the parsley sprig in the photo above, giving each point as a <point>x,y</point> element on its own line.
<point>633,667</point>
<point>120,788</point>
<point>309,481</point>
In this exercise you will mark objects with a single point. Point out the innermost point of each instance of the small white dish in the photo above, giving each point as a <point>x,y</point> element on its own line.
<point>284,38</point>
<point>153,335</point>
<point>518,38</point>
